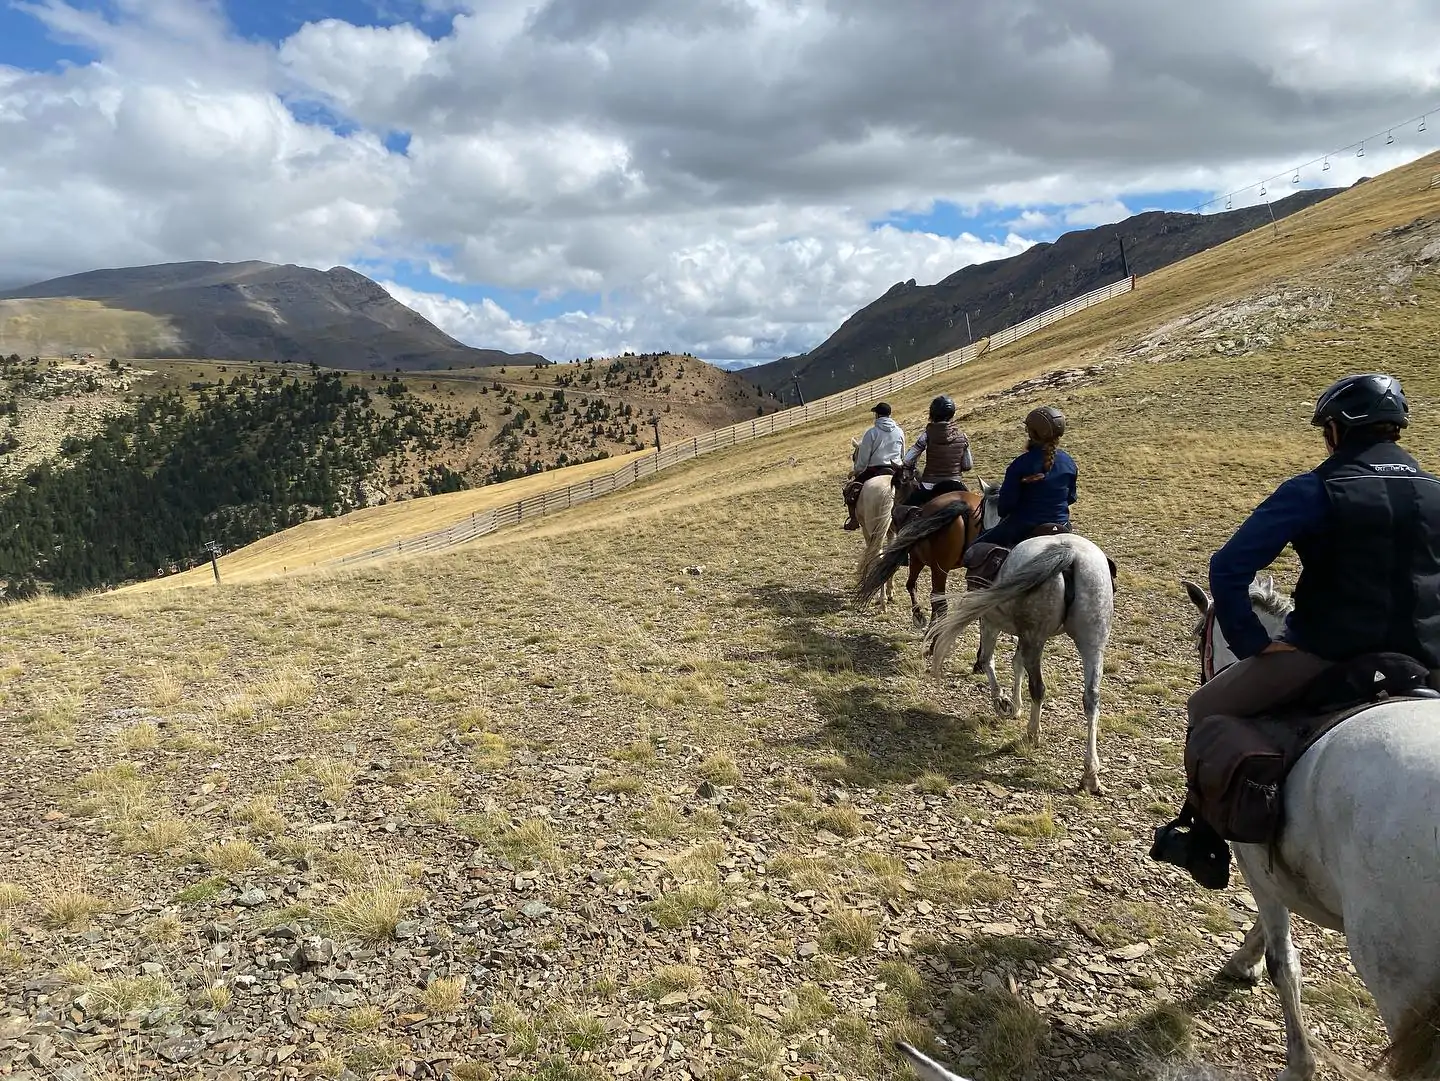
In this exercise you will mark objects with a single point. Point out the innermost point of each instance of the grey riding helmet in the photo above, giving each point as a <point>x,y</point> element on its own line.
<point>1368,398</point>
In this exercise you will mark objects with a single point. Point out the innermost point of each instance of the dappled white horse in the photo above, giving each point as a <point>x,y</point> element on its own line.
<point>873,512</point>
<point>1027,600</point>
<point>1359,853</point>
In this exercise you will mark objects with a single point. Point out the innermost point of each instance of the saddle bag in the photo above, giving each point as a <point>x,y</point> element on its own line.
<point>1234,768</point>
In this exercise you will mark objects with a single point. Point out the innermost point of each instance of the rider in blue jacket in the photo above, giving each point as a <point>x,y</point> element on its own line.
<point>1039,485</point>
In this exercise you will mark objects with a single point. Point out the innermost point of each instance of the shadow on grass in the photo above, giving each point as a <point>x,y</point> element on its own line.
<point>792,603</point>
<point>997,1034</point>
<point>897,743</point>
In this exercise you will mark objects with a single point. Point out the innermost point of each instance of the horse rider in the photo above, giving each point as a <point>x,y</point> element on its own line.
<point>1039,485</point>
<point>1365,524</point>
<point>878,455</point>
<point>947,455</point>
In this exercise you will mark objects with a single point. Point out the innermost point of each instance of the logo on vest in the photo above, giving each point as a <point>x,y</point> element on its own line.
<point>1394,467</point>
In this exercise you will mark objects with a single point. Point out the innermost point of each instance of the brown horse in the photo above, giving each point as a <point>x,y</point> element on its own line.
<point>935,536</point>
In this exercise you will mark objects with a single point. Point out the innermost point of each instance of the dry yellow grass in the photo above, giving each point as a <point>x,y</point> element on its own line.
<point>306,546</point>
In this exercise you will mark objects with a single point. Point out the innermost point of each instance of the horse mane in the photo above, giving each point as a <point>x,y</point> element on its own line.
<point>1264,596</point>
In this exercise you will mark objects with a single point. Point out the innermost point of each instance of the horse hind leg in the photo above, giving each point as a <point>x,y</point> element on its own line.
<point>1282,962</point>
<point>1027,655</point>
<point>1093,661</point>
<point>985,661</point>
<point>916,616</point>
<point>1247,963</point>
<point>938,579</point>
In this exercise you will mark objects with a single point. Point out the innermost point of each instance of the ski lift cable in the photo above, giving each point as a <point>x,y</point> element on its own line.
<point>1323,160</point>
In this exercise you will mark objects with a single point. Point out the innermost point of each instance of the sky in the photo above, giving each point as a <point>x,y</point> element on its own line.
<point>731,178</point>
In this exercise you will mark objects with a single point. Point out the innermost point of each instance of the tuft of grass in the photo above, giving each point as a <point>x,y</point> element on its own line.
<point>260,814</point>
<point>850,931</point>
<point>1040,824</point>
<point>12,895</point>
<point>811,1008</point>
<point>63,907</point>
<point>667,979</point>
<point>369,1055</point>
<point>205,890</point>
<point>617,783</point>
<point>232,856</point>
<point>160,835</point>
<point>118,998</point>
<point>932,784</point>
<point>904,982</point>
<point>138,737</point>
<point>370,911</point>
<point>443,995</point>
<point>1010,1034</point>
<point>962,882</point>
<point>1165,1032</point>
<point>720,769</point>
<point>216,997</point>
<point>362,1019</point>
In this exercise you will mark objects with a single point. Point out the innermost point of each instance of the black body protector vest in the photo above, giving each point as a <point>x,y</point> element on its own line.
<point>1371,581</point>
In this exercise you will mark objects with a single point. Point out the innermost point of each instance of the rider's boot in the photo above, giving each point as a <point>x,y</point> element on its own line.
<point>1192,844</point>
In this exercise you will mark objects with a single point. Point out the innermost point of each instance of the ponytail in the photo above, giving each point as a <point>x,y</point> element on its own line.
<point>1050,446</point>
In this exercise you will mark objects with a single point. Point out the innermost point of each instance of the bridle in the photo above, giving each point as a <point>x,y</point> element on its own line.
<point>1207,646</point>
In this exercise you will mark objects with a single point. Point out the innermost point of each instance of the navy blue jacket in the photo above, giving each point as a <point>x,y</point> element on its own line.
<point>1296,509</point>
<point>1042,501</point>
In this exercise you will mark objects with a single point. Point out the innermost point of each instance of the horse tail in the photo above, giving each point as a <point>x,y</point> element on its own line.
<point>876,518</point>
<point>940,639</point>
<point>1414,1052</point>
<point>878,569</point>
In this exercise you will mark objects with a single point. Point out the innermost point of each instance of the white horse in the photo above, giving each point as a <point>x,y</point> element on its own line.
<point>873,512</point>
<point>1359,853</point>
<point>1027,600</point>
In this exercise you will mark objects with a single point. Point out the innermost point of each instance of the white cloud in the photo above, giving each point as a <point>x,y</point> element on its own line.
<point>710,167</point>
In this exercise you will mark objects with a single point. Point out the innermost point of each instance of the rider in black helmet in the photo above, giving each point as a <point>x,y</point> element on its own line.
<point>947,453</point>
<point>1365,524</point>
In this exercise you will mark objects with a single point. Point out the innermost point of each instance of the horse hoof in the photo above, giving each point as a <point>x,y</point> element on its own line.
<point>1091,785</point>
<point>1248,977</point>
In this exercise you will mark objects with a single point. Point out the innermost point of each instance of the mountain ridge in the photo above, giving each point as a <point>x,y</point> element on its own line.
<point>249,310</point>
<point>909,323</point>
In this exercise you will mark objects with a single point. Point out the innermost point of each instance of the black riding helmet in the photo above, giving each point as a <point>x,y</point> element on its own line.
<point>1369,398</point>
<point>942,408</point>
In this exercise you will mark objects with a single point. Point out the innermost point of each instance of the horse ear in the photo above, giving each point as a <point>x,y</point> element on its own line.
<point>1198,597</point>
<point>925,1067</point>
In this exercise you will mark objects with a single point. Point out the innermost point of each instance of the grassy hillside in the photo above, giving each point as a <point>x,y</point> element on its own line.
<point>552,807</point>
<point>409,436</point>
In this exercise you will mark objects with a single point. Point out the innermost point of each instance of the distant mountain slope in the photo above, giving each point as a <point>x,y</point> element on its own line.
<point>335,318</point>
<point>916,322</point>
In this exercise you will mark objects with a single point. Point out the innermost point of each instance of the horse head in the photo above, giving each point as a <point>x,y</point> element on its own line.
<point>1269,605</point>
<point>989,504</point>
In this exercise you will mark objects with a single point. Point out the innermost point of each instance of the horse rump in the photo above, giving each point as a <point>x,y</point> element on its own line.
<point>880,567</point>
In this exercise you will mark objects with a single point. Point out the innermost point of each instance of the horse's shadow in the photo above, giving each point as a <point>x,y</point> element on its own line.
<point>985,1012</point>
<point>794,603</point>
<point>899,743</point>
<point>807,644</point>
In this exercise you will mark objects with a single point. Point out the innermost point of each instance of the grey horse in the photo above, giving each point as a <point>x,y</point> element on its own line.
<point>1027,600</point>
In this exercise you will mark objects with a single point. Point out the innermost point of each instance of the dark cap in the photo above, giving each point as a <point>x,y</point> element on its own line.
<point>881,409</point>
